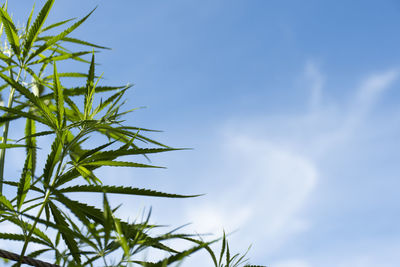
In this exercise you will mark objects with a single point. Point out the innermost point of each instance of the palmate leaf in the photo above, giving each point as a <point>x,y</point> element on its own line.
<point>90,152</point>
<point>57,38</point>
<point>64,56</point>
<point>27,226</point>
<point>120,190</point>
<point>28,115</point>
<point>108,101</point>
<point>68,238</point>
<point>75,113</point>
<point>37,102</point>
<point>19,237</point>
<point>97,216</point>
<point>15,184</point>
<point>76,91</point>
<point>34,30</point>
<point>174,258</point>
<point>11,31</point>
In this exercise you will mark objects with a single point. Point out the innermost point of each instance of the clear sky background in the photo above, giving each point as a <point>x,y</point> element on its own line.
<point>292,108</point>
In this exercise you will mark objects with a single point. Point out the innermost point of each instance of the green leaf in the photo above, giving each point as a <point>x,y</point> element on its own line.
<point>68,75</point>
<point>108,219</point>
<point>222,249</point>
<point>27,136</point>
<point>2,145</point>
<point>30,137</point>
<point>68,238</point>
<point>112,154</point>
<point>24,182</point>
<point>15,184</point>
<point>34,30</point>
<point>93,151</point>
<point>87,174</point>
<point>52,159</point>
<point>29,115</point>
<point>6,118</point>
<point>19,237</point>
<point>11,32</point>
<point>75,41</point>
<point>90,89</point>
<point>5,202</point>
<point>120,190</point>
<point>108,101</point>
<point>119,164</point>
<point>28,22</point>
<point>62,57</point>
<point>58,90</point>
<point>57,24</point>
<point>57,38</point>
<point>33,99</point>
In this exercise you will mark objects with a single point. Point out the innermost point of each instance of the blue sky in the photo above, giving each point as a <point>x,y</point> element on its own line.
<point>291,108</point>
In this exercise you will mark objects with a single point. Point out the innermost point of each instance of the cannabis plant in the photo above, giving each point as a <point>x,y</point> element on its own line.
<point>68,118</point>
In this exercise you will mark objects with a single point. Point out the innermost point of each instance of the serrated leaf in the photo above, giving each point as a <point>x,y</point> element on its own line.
<point>5,202</point>
<point>57,24</point>
<point>119,164</point>
<point>11,32</point>
<point>59,95</point>
<point>19,237</point>
<point>24,182</point>
<point>2,145</point>
<point>121,190</point>
<point>25,115</point>
<point>34,30</point>
<point>61,57</point>
<point>57,38</point>
<point>90,89</point>
<point>68,238</point>
<point>52,159</point>
<point>30,96</point>
<point>76,41</point>
<point>30,137</point>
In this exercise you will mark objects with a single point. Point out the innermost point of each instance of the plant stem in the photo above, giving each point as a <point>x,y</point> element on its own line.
<point>5,133</point>
<point>46,198</point>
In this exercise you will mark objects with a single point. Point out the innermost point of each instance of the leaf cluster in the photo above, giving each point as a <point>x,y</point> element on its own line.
<point>40,201</point>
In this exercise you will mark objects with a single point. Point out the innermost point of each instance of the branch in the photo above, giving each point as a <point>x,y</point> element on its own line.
<point>26,260</point>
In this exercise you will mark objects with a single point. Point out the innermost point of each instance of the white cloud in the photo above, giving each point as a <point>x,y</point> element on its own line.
<point>267,187</point>
<point>269,166</point>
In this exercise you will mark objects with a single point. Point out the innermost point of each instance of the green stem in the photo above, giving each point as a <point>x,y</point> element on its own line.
<point>5,133</point>
<point>46,199</point>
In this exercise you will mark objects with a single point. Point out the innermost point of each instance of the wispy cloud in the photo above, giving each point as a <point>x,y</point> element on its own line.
<point>270,165</point>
